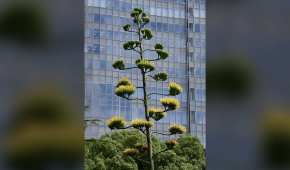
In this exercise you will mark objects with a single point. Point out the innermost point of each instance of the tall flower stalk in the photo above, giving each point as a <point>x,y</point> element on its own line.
<point>125,89</point>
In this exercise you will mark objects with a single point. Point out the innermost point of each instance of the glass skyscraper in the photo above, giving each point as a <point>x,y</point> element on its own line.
<point>180,26</point>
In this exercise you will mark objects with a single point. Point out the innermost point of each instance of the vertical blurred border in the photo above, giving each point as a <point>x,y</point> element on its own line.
<point>247,84</point>
<point>42,60</point>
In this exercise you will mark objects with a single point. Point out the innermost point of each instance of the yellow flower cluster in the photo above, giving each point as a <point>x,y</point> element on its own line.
<point>123,90</point>
<point>130,151</point>
<point>156,113</point>
<point>170,103</point>
<point>140,123</point>
<point>116,122</point>
<point>177,129</point>
<point>174,89</point>
<point>145,65</point>
<point>124,82</point>
<point>141,148</point>
<point>171,143</point>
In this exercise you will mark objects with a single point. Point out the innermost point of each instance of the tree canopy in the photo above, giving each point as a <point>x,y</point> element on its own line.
<point>110,153</point>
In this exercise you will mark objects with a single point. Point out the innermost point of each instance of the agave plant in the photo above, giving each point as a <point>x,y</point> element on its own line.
<point>125,88</point>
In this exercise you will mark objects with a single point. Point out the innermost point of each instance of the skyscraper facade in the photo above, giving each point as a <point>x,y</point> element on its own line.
<point>180,26</point>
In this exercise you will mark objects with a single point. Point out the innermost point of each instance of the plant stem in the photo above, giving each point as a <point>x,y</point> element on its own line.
<point>148,130</point>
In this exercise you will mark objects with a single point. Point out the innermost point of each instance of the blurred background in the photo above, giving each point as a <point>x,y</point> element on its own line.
<point>41,90</point>
<point>248,85</point>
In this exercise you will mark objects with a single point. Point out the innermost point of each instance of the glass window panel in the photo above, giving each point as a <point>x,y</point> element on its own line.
<point>200,117</point>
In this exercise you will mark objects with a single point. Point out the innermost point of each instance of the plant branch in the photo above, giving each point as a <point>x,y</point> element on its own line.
<point>142,130</point>
<point>126,127</point>
<point>133,31</point>
<point>149,50</point>
<point>128,68</point>
<point>158,94</point>
<point>148,71</point>
<point>136,50</point>
<point>156,59</point>
<point>132,98</point>
<point>160,133</point>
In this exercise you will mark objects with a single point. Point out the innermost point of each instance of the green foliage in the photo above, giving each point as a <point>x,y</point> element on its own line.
<point>170,103</point>
<point>106,153</point>
<point>192,151</point>
<point>158,46</point>
<point>135,14</point>
<point>141,148</point>
<point>177,129</point>
<point>116,122</point>
<point>174,89</point>
<point>160,77</point>
<point>145,19</point>
<point>139,10</point>
<point>127,27</point>
<point>130,45</point>
<point>169,160</point>
<point>147,34</point>
<point>119,64</point>
<point>118,162</point>
<point>96,163</point>
<point>162,54</point>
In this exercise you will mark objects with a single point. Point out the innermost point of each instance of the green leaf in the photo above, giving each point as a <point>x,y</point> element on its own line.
<point>138,10</point>
<point>127,27</point>
<point>160,77</point>
<point>131,45</point>
<point>158,46</point>
<point>147,34</point>
<point>119,64</point>
<point>162,54</point>
<point>134,14</point>
<point>145,19</point>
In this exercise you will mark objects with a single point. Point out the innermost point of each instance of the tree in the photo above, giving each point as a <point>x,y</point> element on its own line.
<point>125,88</point>
<point>106,153</point>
